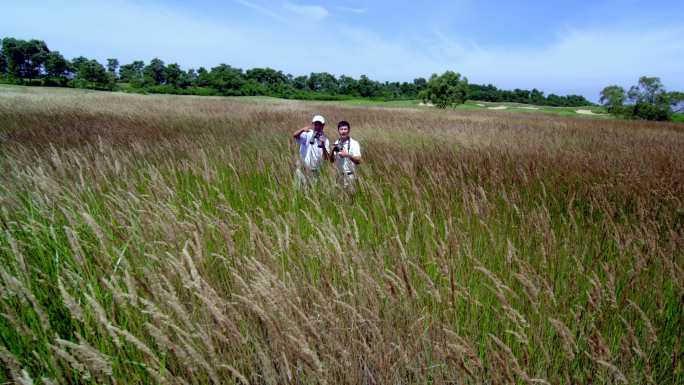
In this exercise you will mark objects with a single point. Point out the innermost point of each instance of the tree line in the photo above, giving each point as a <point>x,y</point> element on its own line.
<point>31,62</point>
<point>490,93</point>
<point>648,100</point>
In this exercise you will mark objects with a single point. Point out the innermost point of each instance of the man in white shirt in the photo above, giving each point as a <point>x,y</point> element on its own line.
<point>314,148</point>
<point>346,154</point>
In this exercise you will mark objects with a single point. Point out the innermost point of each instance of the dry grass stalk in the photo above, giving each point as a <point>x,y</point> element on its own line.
<point>71,304</point>
<point>236,374</point>
<point>11,364</point>
<point>97,363</point>
<point>205,253</point>
<point>569,345</point>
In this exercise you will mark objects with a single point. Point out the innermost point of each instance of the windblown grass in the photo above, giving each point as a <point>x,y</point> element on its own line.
<point>161,239</point>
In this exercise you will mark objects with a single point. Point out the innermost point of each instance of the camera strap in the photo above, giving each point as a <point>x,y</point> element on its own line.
<point>347,142</point>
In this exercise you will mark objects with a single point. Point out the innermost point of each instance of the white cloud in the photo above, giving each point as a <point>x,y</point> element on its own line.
<point>580,61</point>
<point>352,10</point>
<point>261,9</point>
<point>310,12</point>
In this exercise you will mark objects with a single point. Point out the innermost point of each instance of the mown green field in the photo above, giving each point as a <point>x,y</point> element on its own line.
<point>598,112</point>
<point>162,239</point>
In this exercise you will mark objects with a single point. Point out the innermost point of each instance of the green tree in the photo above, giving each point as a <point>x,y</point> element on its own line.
<point>487,93</point>
<point>252,87</point>
<point>132,73</point>
<point>57,68</point>
<point>521,96</point>
<point>390,90</point>
<point>226,79</point>
<point>348,85</point>
<point>536,97</point>
<point>648,90</point>
<point>203,77</point>
<point>77,62</point>
<point>676,100</point>
<point>300,82</point>
<point>408,90</point>
<point>420,84</point>
<point>175,76</point>
<point>283,90</point>
<point>554,100</point>
<point>25,58</point>
<point>368,88</point>
<point>322,82</point>
<point>266,76</point>
<point>3,63</point>
<point>36,52</point>
<point>92,74</point>
<point>613,98</point>
<point>270,81</point>
<point>650,100</point>
<point>112,65</point>
<point>155,72</point>
<point>648,111</point>
<point>577,101</point>
<point>191,77</point>
<point>446,90</point>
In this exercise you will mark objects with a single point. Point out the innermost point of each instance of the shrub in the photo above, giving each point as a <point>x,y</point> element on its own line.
<point>446,90</point>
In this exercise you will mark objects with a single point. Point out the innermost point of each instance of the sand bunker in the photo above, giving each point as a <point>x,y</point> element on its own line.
<point>530,108</point>
<point>480,105</point>
<point>497,108</point>
<point>587,112</point>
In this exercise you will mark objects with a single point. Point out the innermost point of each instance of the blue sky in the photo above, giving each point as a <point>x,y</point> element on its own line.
<point>557,46</point>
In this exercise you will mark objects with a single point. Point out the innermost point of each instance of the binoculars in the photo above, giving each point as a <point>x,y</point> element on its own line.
<point>315,137</point>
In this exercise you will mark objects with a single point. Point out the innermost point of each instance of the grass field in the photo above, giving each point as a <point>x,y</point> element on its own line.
<point>161,239</point>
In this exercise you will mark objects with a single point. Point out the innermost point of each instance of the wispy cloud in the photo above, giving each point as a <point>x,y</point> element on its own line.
<point>261,9</point>
<point>352,10</point>
<point>310,12</point>
<point>580,61</point>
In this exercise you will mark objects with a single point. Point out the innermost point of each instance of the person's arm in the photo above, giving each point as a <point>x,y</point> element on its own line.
<point>357,153</point>
<point>355,158</point>
<point>299,132</point>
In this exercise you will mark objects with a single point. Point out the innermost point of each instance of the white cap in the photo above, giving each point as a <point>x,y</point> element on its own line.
<point>318,118</point>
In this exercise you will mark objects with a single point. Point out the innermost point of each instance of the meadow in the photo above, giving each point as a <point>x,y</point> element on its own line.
<point>162,239</point>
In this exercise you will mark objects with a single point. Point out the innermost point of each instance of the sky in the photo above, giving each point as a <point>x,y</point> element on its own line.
<point>561,47</point>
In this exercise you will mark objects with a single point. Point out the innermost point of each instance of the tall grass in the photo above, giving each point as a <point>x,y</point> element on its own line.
<point>163,240</point>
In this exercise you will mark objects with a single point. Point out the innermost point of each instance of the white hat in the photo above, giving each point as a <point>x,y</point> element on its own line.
<point>318,118</point>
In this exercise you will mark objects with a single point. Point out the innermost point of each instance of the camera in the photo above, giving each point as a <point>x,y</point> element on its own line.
<point>316,136</point>
<point>337,148</point>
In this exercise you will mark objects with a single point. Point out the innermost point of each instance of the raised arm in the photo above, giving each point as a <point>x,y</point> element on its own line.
<point>300,131</point>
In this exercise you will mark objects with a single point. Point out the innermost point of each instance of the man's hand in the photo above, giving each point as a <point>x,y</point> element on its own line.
<point>348,155</point>
<point>301,131</point>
